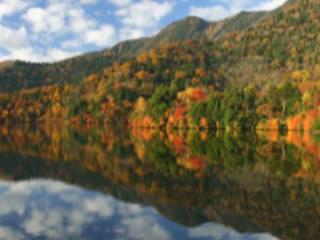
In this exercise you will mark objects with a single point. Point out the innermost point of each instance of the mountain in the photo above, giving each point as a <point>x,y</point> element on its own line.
<point>19,75</point>
<point>265,76</point>
<point>192,28</point>
<point>16,75</point>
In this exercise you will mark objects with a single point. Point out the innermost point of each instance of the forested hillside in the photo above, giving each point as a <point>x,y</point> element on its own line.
<point>190,28</point>
<point>262,73</point>
<point>20,75</point>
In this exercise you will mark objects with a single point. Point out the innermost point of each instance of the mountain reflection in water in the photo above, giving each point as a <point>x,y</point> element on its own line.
<point>199,185</point>
<point>54,210</point>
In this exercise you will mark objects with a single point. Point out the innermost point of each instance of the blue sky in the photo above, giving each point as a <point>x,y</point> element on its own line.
<point>51,30</point>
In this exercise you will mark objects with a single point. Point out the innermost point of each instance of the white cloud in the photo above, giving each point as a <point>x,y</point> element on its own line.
<point>10,7</point>
<point>218,12</point>
<point>213,13</point>
<point>11,39</point>
<point>270,5</point>
<point>88,2</point>
<point>103,36</point>
<point>18,45</point>
<point>73,43</point>
<point>141,18</point>
<point>56,54</point>
<point>120,3</point>
<point>50,19</point>
<point>144,14</point>
<point>79,22</point>
<point>131,33</point>
<point>36,55</point>
<point>59,19</point>
<point>236,6</point>
<point>28,54</point>
<point>231,7</point>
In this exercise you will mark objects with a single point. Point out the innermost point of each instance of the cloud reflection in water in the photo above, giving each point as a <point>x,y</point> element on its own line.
<point>54,210</point>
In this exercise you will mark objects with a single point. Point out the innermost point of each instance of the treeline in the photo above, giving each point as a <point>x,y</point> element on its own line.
<point>113,92</point>
<point>266,77</point>
<point>19,75</point>
<point>289,106</point>
<point>176,86</point>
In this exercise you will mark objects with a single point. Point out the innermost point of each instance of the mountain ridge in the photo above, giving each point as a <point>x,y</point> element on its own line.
<point>264,77</point>
<point>25,75</point>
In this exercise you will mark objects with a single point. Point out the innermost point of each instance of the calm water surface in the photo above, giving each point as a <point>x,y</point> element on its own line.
<point>110,183</point>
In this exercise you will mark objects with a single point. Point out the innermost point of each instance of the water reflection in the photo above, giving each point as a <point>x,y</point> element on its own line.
<point>53,210</point>
<point>253,183</point>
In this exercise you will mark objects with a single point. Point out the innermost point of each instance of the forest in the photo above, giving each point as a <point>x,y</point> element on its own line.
<point>266,77</point>
<point>179,172</point>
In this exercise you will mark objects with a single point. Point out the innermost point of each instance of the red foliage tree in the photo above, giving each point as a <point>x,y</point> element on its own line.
<point>198,95</point>
<point>180,112</point>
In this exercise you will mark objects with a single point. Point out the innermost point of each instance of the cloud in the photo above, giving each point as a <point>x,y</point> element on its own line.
<point>72,43</point>
<point>13,39</point>
<point>88,2</point>
<point>10,7</point>
<point>120,3</point>
<point>141,18</point>
<point>131,33</point>
<point>221,11</point>
<point>66,20</point>
<point>18,46</point>
<point>35,55</point>
<point>144,14</point>
<point>231,7</point>
<point>103,36</point>
<point>50,19</point>
<point>270,5</point>
<point>78,21</point>
<point>213,13</point>
<point>58,18</point>
<point>56,54</point>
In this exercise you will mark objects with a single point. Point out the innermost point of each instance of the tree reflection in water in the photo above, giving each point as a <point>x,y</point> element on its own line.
<point>263,182</point>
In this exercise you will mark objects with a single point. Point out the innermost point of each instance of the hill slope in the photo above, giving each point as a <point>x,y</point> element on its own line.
<point>21,75</point>
<point>190,28</point>
<point>266,76</point>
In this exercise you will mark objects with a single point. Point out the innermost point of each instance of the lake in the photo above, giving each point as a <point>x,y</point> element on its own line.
<point>60,182</point>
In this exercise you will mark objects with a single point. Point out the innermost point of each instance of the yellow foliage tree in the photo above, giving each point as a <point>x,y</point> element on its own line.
<point>180,75</point>
<point>140,105</point>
